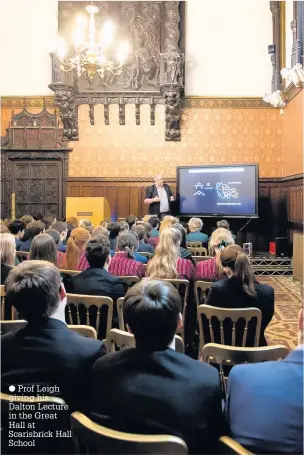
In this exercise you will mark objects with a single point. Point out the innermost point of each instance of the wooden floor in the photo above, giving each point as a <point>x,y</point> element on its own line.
<point>288,300</point>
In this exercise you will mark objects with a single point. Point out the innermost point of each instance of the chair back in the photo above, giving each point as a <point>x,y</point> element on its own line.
<point>182,287</point>
<point>11,313</point>
<point>84,330</point>
<point>198,259</point>
<point>234,315</point>
<point>146,254</point>
<point>201,289</point>
<point>130,280</point>
<point>119,306</point>
<point>179,344</point>
<point>89,302</point>
<point>50,420</point>
<point>119,339</point>
<point>69,272</point>
<point>91,438</point>
<point>194,244</point>
<point>201,251</point>
<point>229,446</point>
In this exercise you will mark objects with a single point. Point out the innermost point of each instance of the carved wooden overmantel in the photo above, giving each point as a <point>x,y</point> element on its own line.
<point>34,164</point>
<point>153,73</point>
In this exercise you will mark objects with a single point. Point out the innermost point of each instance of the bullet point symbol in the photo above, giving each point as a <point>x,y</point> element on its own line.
<point>12,388</point>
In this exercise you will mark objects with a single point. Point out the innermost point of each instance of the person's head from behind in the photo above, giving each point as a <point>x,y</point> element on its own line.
<point>223,224</point>
<point>7,249</point>
<point>236,264</point>
<point>87,224</point>
<point>7,222</point>
<point>54,234</point>
<point>195,225</point>
<point>154,222</point>
<point>152,312</point>
<point>73,222</point>
<point>35,228</point>
<point>43,248</point>
<point>182,230</point>
<point>128,243</point>
<point>97,252</point>
<point>220,238</point>
<point>47,223</point>
<point>62,228</point>
<point>34,288</point>
<point>114,229</point>
<point>99,230</point>
<point>131,219</point>
<point>164,262</point>
<point>124,227</point>
<point>27,219</point>
<point>4,229</point>
<point>37,216</point>
<point>167,222</point>
<point>104,223</point>
<point>140,231</point>
<point>75,246</point>
<point>148,229</point>
<point>16,228</point>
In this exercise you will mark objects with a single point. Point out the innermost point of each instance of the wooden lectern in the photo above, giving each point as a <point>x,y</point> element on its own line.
<point>94,209</point>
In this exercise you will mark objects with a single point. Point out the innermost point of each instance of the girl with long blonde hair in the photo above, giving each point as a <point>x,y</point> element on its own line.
<point>211,269</point>
<point>75,258</point>
<point>8,254</point>
<point>167,222</point>
<point>166,262</point>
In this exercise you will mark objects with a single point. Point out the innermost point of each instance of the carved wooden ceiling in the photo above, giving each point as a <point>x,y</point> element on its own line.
<point>152,74</point>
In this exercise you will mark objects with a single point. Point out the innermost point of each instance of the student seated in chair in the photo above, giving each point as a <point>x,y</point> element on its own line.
<point>152,389</point>
<point>265,402</point>
<point>97,280</point>
<point>45,351</point>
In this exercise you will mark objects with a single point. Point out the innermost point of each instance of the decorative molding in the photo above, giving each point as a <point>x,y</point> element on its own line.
<point>224,103</point>
<point>18,102</point>
<point>117,179</point>
<point>290,92</point>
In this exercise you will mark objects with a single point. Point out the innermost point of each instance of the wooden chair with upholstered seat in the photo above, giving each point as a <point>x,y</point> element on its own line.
<point>198,259</point>
<point>201,289</point>
<point>146,254</point>
<point>194,244</point>
<point>130,280</point>
<point>88,302</point>
<point>201,251</point>
<point>13,312</point>
<point>223,355</point>
<point>183,289</point>
<point>229,446</point>
<point>222,314</point>
<point>84,330</point>
<point>91,438</point>
<point>69,272</point>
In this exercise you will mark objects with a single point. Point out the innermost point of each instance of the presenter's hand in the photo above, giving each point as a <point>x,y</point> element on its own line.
<point>171,198</point>
<point>157,199</point>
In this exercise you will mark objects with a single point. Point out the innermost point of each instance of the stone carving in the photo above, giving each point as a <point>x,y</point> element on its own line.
<point>137,113</point>
<point>91,114</point>
<point>65,99</point>
<point>173,68</point>
<point>122,120</point>
<point>106,114</point>
<point>152,113</point>
<point>172,102</point>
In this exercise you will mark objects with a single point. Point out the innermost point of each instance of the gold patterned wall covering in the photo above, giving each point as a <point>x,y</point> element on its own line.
<point>209,136</point>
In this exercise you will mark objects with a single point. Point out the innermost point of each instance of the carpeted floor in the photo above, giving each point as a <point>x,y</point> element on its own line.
<point>288,300</point>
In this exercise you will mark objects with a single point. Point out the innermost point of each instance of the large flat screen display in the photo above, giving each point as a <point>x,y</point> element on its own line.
<point>230,191</point>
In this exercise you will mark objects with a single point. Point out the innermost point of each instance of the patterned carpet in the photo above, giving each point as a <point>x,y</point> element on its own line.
<point>288,300</point>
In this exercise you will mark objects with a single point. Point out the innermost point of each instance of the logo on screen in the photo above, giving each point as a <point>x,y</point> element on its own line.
<point>225,192</point>
<point>199,187</point>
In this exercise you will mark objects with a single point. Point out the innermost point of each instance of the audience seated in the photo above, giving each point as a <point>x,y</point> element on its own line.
<point>166,262</point>
<point>33,229</point>
<point>183,250</point>
<point>87,224</point>
<point>124,227</point>
<point>241,290</point>
<point>224,224</point>
<point>265,403</point>
<point>17,228</point>
<point>45,351</point>
<point>60,255</point>
<point>211,270</point>
<point>37,216</point>
<point>195,234</point>
<point>151,389</point>
<point>4,229</point>
<point>142,236</point>
<point>99,230</point>
<point>154,223</point>
<point>167,222</point>
<point>6,222</point>
<point>47,223</point>
<point>123,263</point>
<point>131,220</point>
<point>44,248</point>
<point>75,258</point>
<point>105,223</point>
<point>8,254</point>
<point>27,219</point>
<point>73,222</point>
<point>114,229</point>
<point>96,280</point>
<point>62,228</point>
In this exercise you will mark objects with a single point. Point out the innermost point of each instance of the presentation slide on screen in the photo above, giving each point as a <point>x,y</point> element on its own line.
<point>218,190</point>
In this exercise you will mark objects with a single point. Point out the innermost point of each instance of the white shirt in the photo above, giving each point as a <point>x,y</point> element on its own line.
<point>164,202</point>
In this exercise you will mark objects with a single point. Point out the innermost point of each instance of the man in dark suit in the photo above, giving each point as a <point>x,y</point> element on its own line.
<point>159,196</point>
<point>265,403</point>
<point>152,389</point>
<point>97,280</point>
<point>45,351</point>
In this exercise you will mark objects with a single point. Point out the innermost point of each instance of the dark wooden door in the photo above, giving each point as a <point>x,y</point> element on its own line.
<point>38,187</point>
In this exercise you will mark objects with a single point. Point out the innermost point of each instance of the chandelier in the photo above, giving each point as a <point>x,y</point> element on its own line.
<point>95,53</point>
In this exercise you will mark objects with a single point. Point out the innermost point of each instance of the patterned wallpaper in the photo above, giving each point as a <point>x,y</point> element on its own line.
<point>209,136</point>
